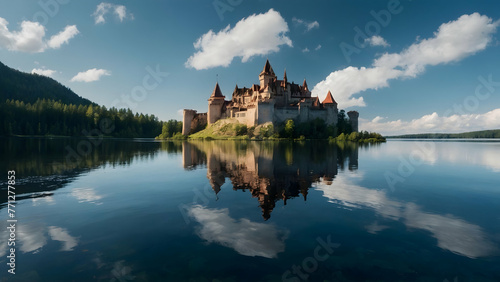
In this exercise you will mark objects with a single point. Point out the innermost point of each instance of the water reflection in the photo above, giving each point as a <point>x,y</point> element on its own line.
<point>270,171</point>
<point>275,171</point>
<point>44,165</point>
<point>246,237</point>
<point>452,233</point>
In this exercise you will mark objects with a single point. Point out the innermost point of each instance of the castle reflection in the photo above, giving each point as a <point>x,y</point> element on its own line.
<point>270,171</point>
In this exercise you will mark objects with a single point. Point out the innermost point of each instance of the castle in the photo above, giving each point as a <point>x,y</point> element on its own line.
<point>272,100</point>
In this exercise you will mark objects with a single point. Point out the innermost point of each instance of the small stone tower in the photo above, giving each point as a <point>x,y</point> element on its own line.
<point>353,120</point>
<point>215,104</point>
<point>331,106</point>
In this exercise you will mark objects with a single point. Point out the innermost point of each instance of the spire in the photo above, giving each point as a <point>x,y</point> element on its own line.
<point>285,79</point>
<point>217,93</point>
<point>329,99</point>
<point>268,69</point>
<point>304,85</point>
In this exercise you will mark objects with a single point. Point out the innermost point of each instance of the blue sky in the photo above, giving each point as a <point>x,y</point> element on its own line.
<point>416,66</point>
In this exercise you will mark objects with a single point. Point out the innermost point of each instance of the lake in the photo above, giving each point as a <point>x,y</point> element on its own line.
<point>141,210</point>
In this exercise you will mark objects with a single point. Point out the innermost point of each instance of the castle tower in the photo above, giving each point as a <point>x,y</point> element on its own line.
<point>331,108</point>
<point>353,120</point>
<point>215,104</point>
<point>187,119</point>
<point>267,75</point>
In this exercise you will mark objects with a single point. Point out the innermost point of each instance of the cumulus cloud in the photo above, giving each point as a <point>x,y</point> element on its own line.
<point>433,123</point>
<point>44,72</point>
<point>305,50</point>
<point>452,42</point>
<point>246,237</point>
<point>30,38</point>
<point>104,8</point>
<point>252,36</point>
<point>318,47</point>
<point>63,37</point>
<point>90,75</point>
<point>308,25</point>
<point>377,40</point>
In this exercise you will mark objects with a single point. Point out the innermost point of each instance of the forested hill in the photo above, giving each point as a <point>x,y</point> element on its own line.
<point>495,133</point>
<point>34,105</point>
<point>26,87</point>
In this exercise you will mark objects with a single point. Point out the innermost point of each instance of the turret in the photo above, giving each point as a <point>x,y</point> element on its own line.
<point>267,75</point>
<point>331,107</point>
<point>353,120</point>
<point>215,104</point>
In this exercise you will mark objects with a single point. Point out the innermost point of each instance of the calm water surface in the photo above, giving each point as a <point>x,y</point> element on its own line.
<point>123,210</point>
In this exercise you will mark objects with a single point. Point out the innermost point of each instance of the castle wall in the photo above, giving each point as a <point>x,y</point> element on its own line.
<point>187,118</point>
<point>247,117</point>
<point>191,121</point>
<point>199,122</point>
<point>265,112</point>
<point>318,113</point>
<point>283,114</point>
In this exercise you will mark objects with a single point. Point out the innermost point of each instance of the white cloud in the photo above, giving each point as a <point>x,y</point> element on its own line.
<point>318,47</point>
<point>255,35</point>
<point>63,37</point>
<point>308,25</point>
<point>377,40</point>
<point>305,50</point>
<point>44,72</point>
<point>30,38</point>
<point>433,123</point>
<point>104,8</point>
<point>453,41</point>
<point>90,75</point>
<point>246,237</point>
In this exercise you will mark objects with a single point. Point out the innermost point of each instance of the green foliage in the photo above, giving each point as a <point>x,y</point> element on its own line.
<point>170,129</point>
<point>341,137</point>
<point>49,117</point>
<point>289,129</point>
<point>360,137</point>
<point>179,136</point>
<point>267,131</point>
<point>343,123</point>
<point>240,129</point>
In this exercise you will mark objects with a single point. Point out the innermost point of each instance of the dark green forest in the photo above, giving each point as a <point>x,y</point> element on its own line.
<point>32,104</point>
<point>17,85</point>
<point>48,117</point>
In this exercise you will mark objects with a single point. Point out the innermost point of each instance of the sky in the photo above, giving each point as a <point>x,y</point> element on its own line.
<point>406,66</point>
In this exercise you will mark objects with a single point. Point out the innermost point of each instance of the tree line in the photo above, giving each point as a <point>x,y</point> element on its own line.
<point>50,117</point>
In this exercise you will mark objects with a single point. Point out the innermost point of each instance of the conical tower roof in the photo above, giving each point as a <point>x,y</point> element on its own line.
<point>329,99</point>
<point>217,93</point>
<point>268,69</point>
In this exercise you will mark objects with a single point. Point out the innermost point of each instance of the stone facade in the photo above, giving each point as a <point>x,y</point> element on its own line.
<point>271,100</point>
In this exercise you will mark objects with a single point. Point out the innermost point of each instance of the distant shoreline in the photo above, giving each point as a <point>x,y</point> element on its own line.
<point>483,134</point>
